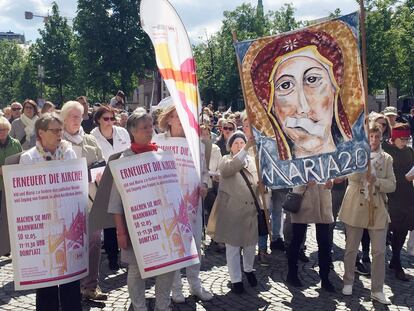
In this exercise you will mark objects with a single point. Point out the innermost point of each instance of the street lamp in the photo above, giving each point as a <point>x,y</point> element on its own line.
<point>30,15</point>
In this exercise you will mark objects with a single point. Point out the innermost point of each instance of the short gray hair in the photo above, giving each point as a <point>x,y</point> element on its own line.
<point>5,123</point>
<point>139,115</point>
<point>43,122</point>
<point>68,106</point>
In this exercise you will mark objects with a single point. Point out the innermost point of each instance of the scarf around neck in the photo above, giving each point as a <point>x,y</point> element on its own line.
<point>28,125</point>
<point>59,153</point>
<point>140,148</point>
<point>75,138</point>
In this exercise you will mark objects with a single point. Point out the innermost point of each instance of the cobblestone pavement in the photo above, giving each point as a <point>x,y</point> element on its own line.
<point>270,294</point>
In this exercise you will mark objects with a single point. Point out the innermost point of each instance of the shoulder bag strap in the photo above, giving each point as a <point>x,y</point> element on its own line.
<point>256,203</point>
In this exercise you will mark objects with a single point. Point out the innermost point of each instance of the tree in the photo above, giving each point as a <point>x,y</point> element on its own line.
<point>216,59</point>
<point>404,32</point>
<point>28,84</point>
<point>94,48</point>
<point>55,48</point>
<point>11,60</point>
<point>381,42</point>
<point>284,20</point>
<point>113,49</point>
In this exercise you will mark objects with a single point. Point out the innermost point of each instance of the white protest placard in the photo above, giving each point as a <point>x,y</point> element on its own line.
<point>155,212</point>
<point>188,178</point>
<point>47,216</point>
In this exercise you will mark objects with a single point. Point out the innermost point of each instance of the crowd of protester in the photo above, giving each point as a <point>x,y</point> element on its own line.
<point>232,197</point>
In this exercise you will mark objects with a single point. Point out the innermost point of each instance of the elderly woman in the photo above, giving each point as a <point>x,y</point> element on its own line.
<point>140,128</point>
<point>85,146</point>
<point>111,139</point>
<point>400,204</point>
<point>8,146</point>
<point>171,124</point>
<point>355,214</point>
<point>228,127</point>
<point>50,146</point>
<point>23,128</point>
<point>233,220</point>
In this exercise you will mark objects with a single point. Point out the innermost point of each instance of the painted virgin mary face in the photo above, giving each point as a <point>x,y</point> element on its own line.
<point>303,104</point>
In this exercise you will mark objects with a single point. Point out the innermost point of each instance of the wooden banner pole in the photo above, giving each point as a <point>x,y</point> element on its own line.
<point>365,80</point>
<point>249,117</point>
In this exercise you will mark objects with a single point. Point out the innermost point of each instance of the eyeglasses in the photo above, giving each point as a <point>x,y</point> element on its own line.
<point>108,118</point>
<point>55,131</point>
<point>30,107</point>
<point>16,109</point>
<point>228,128</point>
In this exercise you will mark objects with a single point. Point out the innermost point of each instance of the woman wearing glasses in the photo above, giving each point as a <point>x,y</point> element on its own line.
<point>111,139</point>
<point>50,146</point>
<point>227,129</point>
<point>23,128</point>
<point>400,202</point>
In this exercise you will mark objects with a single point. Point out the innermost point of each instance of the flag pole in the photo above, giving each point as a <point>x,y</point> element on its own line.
<point>249,118</point>
<point>365,81</point>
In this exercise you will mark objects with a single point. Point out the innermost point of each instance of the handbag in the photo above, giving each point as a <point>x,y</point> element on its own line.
<point>261,217</point>
<point>292,202</point>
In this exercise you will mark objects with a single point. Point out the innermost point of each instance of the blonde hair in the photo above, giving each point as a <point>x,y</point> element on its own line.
<point>5,123</point>
<point>163,117</point>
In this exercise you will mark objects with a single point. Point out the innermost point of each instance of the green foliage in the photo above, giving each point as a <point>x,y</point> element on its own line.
<point>216,60</point>
<point>55,49</point>
<point>28,84</point>
<point>11,60</point>
<point>113,50</point>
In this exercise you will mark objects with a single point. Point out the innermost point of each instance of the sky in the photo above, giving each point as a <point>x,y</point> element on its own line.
<point>201,18</point>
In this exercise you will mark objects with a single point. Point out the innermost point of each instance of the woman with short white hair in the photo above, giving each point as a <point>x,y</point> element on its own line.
<point>85,146</point>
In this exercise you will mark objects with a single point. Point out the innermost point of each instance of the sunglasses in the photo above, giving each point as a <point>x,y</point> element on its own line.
<point>16,109</point>
<point>228,128</point>
<point>108,118</point>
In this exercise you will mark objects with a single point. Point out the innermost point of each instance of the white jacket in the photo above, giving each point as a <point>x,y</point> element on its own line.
<point>32,156</point>
<point>121,139</point>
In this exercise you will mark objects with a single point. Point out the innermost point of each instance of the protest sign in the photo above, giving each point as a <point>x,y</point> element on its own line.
<point>155,212</point>
<point>188,178</point>
<point>47,216</point>
<point>305,97</point>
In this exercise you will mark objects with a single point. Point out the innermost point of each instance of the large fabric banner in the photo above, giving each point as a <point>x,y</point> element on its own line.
<point>47,206</point>
<point>176,64</point>
<point>188,179</point>
<point>155,212</point>
<point>305,94</point>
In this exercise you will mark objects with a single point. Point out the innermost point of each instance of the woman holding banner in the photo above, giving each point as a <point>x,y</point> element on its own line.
<point>111,139</point>
<point>50,146</point>
<point>85,146</point>
<point>140,129</point>
<point>171,124</point>
<point>354,214</point>
<point>233,220</point>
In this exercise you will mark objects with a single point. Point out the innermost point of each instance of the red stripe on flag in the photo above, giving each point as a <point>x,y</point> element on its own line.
<point>186,74</point>
<point>191,119</point>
